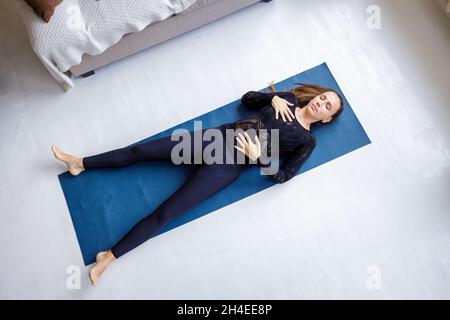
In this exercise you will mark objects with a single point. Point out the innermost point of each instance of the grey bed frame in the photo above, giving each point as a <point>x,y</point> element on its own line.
<point>198,14</point>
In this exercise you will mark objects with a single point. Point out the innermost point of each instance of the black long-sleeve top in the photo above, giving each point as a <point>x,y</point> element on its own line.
<point>295,141</point>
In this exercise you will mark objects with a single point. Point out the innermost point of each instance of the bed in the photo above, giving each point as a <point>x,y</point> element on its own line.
<point>84,35</point>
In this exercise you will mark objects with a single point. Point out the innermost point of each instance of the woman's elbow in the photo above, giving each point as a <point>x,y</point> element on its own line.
<point>245,99</point>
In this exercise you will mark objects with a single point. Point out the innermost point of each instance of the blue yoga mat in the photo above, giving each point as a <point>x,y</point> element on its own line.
<point>105,204</point>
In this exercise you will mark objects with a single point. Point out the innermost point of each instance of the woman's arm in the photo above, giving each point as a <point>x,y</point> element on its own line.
<point>258,100</point>
<point>294,161</point>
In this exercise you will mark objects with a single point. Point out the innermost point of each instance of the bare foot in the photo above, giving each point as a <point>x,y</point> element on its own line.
<point>102,260</point>
<point>74,164</point>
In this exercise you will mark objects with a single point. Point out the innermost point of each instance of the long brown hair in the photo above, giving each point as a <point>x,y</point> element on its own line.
<point>306,92</point>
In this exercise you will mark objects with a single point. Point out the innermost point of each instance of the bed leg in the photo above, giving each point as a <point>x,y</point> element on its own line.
<point>88,74</point>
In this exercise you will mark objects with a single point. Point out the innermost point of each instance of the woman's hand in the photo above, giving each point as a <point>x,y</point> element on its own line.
<point>281,106</point>
<point>247,147</point>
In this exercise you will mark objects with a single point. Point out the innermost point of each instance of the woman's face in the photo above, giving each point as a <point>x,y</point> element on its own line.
<point>323,106</point>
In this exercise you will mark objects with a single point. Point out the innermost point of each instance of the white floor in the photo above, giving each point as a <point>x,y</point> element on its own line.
<point>372,224</point>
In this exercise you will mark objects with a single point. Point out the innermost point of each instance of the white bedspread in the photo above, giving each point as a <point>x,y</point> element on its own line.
<point>89,26</point>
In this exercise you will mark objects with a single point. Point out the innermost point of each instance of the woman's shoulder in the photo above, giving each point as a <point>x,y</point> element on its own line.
<point>306,138</point>
<point>310,139</point>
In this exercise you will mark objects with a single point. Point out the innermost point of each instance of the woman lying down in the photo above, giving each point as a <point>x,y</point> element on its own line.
<point>291,112</point>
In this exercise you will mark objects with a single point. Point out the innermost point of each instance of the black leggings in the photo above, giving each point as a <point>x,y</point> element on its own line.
<point>206,180</point>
